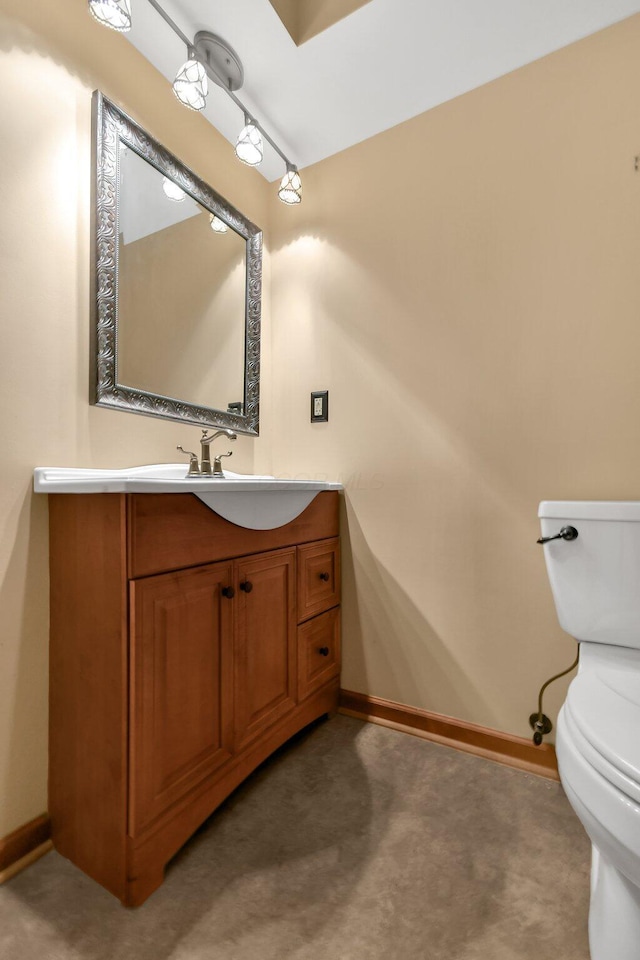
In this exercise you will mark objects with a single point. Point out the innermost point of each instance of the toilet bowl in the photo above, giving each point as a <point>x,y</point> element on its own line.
<point>595,580</point>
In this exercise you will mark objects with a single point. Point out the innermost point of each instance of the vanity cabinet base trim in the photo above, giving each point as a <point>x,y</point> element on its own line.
<point>485,742</point>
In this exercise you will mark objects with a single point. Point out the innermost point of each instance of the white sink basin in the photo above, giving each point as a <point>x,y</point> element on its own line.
<point>258,503</point>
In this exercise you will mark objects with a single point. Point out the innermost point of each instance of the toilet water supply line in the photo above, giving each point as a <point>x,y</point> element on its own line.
<point>540,723</point>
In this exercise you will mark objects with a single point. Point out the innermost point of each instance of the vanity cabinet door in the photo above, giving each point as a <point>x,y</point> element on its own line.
<point>265,643</point>
<point>180,683</point>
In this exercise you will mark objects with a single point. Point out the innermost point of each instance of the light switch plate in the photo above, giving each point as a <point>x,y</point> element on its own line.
<point>319,406</point>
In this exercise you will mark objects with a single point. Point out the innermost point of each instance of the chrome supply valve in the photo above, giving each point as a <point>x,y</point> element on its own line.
<point>541,725</point>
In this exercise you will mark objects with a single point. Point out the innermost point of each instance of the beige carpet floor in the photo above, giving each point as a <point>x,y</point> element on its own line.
<point>355,842</point>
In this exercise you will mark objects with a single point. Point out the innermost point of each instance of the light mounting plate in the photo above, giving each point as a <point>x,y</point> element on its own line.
<point>224,62</point>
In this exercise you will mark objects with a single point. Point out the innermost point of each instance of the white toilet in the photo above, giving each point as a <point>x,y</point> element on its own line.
<point>595,579</point>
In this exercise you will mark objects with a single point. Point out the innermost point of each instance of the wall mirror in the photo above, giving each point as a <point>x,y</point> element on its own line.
<point>178,279</point>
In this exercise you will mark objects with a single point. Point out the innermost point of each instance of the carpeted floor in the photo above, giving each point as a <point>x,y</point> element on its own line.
<point>355,842</point>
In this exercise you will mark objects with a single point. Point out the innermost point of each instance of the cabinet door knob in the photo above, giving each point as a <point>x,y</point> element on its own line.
<point>324,576</point>
<point>228,592</point>
<point>323,651</point>
<point>247,586</point>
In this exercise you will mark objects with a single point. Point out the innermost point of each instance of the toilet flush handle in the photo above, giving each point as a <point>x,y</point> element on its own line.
<point>567,533</point>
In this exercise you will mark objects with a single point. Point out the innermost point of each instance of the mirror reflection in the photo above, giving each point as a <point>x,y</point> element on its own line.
<point>181,276</point>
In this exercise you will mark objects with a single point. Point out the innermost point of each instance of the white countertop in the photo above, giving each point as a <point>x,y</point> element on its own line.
<point>255,502</point>
<point>161,478</point>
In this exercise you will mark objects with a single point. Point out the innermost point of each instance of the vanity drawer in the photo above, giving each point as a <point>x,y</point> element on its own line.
<point>318,652</point>
<point>318,577</point>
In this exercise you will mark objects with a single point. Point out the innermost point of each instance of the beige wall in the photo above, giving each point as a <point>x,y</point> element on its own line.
<point>305,19</point>
<point>52,56</point>
<point>466,286</point>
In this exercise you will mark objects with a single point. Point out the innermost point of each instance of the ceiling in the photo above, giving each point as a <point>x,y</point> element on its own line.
<point>387,61</point>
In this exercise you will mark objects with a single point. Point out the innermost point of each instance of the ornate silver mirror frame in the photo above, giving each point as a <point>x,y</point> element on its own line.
<point>111,129</point>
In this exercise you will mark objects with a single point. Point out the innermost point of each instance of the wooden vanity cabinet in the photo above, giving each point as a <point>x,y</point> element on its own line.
<point>184,650</point>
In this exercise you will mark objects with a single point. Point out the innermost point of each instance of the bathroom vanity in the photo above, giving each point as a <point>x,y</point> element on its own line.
<point>184,650</point>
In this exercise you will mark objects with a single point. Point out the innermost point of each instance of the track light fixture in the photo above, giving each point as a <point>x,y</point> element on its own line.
<point>191,85</point>
<point>209,57</point>
<point>290,190</point>
<point>112,13</point>
<point>249,147</point>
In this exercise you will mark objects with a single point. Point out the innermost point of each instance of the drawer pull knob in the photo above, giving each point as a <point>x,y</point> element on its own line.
<point>324,576</point>
<point>323,651</point>
<point>228,592</point>
<point>247,586</point>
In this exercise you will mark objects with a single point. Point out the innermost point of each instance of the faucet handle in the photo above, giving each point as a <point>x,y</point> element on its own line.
<point>217,466</point>
<point>194,466</point>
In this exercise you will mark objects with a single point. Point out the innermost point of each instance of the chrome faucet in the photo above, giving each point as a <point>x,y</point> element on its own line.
<point>205,468</point>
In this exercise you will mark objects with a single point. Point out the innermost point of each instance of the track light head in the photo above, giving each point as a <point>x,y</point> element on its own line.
<point>191,85</point>
<point>249,146</point>
<point>290,190</point>
<point>112,13</point>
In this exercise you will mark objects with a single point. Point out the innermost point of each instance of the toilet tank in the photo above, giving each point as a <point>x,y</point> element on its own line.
<point>595,579</point>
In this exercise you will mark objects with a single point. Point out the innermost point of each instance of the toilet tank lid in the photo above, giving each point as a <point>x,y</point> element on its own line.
<point>626,510</point>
